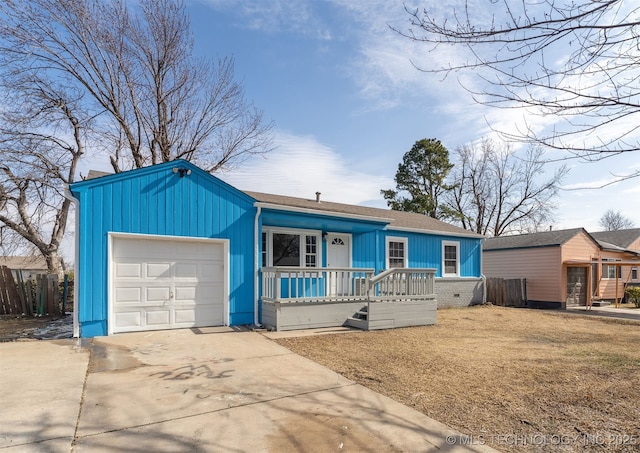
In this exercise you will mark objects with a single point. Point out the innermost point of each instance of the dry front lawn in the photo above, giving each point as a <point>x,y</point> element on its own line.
<point>515,379</point>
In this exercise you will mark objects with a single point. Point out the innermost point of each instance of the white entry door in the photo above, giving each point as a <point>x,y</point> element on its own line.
<point>338,256</point>
<point>166,283</point>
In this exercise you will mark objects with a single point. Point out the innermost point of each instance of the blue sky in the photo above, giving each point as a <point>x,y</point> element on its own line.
<point>347,102</point>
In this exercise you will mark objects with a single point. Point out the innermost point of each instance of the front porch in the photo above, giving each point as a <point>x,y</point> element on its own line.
<point>303,298</point>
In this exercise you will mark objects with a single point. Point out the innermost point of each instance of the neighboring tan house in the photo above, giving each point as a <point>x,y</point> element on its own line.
<point>626,239</point>
<point>566,267</point>
<point>171,246</point>
<point>28,265</point>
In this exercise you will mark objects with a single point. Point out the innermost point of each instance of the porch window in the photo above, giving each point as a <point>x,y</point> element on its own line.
<point>397,253</point>
<point>289,248</point>
<point>609,270</point>
<point>450,259</point>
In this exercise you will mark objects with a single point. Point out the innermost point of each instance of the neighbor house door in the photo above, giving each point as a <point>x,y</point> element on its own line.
<point>576,286</point>
<point>338,256</point>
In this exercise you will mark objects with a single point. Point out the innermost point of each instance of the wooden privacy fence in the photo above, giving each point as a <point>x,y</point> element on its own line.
<point>507,292</point>
<point>40,295</point>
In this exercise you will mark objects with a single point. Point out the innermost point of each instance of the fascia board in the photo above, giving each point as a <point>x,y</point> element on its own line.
<point>437,232</point>
<point>342,215</point>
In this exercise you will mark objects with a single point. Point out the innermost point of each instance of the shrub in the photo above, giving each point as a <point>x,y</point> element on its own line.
<point>634,295</point>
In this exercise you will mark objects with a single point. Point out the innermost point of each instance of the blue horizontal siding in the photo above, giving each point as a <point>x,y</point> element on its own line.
<point>369,243</point>
<point>425,250</point>
<point>157,201</point>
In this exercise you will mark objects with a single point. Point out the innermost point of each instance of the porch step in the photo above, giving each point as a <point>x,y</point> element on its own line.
<point>362,314</point>
<point>359,320</point>
<point>358,323</point>
<point>600,303</point>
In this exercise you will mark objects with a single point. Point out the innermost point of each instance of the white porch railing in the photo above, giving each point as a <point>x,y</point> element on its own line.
<point>295,284</point>
<point>402,284</point>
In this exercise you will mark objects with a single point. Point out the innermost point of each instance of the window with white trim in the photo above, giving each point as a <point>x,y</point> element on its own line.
<point>290,248</point>
<point>634,273</point>
<point>450,258</point>
<point>609,270</point>
<point>397,254</point>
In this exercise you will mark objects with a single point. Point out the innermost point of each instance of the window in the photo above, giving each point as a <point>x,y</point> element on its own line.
<point>311,251</point>
<point>634,273</point>
<point>450,258</point>
<point>285,250</point>
<point>289,248</point>
<point>264,249</point>
<point>609,270</point>
<point>397,253</point>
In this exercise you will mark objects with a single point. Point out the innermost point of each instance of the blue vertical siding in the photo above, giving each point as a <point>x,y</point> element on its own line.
<point>154,200</point>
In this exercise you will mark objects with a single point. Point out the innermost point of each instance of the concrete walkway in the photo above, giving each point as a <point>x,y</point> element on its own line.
<point>608,312</point>
<point>214,389</point>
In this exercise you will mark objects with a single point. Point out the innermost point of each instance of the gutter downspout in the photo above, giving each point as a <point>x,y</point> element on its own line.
<point>76,305</point>
<point>256,290</point>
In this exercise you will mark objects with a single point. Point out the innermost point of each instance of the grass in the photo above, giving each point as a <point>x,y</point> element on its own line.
<point>493,371</point>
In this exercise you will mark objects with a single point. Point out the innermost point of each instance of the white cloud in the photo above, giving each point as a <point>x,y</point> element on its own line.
<point>276,16</point>
<point>301,166</point>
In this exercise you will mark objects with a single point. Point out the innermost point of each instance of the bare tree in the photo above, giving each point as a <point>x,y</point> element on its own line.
<point>497,192</point>
<point>115,76</point>
<point>41,142</point>
<point>155,100</point>
<point>576,61</point>
<point>614,221</point>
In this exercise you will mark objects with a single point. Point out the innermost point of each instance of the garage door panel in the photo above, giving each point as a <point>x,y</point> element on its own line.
<point>158,270</point>
<point>209,315</point>
<point>164,283</point>
<point>127,249</point>
<point>127,320</point>
<point>125,295</point>
<point>158,293</point>
<point>198,316</point>
<point>128,270</point>
<point>185,317</point>
<point>203,293</point>
<point>212,272</point>
<point>186,270</point>
<point>158,318</point>
<point>185,293</point>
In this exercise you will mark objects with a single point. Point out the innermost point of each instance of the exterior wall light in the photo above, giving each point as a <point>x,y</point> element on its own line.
<point>182,171</point>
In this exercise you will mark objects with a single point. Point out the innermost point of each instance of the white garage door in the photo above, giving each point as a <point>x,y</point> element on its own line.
<point>166,283</point>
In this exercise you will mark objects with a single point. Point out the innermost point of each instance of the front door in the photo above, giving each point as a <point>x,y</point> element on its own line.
<point>338,256</point>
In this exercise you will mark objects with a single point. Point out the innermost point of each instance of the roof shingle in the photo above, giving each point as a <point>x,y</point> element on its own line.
<point>397,219</point>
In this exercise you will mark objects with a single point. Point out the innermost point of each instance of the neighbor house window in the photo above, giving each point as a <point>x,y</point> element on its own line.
<point>450,258</point>
<point>397,253</point>
<point>290,248</point>
<point>609,270</point>
<point>634,273</point>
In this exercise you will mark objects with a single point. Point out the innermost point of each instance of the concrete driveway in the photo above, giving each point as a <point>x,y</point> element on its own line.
<point>213,389</point>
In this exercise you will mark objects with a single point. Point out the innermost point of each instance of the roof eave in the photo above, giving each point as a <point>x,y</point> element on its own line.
<point>438,232</point>
<point>279,207</point>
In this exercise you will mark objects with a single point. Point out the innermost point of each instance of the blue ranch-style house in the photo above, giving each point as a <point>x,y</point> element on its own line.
<point>171,246</point>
